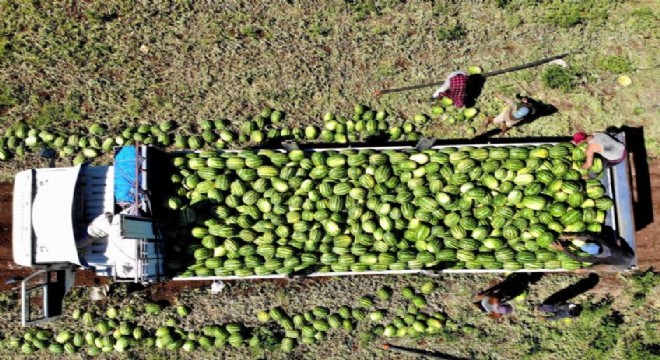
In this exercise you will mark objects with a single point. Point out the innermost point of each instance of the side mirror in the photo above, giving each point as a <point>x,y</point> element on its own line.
<point>50,154</point>
<point>14,280</point>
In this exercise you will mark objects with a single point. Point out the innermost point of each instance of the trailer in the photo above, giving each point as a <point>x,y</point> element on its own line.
<point>54,206</point>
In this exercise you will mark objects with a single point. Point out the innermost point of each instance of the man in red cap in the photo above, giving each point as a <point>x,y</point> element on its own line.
<point>610,149</point>
<point>454,88</point>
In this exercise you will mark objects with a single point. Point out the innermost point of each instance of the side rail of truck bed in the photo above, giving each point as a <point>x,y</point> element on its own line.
<point>623,205</point>
<point>620,218</point>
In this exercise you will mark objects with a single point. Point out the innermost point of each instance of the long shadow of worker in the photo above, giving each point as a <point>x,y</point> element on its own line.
<point>574,290</point>
<point>474,87</point>
<point>642,199</point>
<point>514,285</point>
<point>541,109</point>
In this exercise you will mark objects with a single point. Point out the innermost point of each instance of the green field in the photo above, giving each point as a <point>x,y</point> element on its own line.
<point>619,320</point>
<point>68,65</point>
<point>65,66</point>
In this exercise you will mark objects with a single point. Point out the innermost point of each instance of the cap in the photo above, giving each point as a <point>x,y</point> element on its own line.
<point>579,137</point>
<point>521,112</point>
<point>505,309</point>
<point>591,248</point>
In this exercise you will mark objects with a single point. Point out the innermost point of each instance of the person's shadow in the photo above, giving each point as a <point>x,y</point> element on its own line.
<point>475,85</point>
<point>514,285</point>
<point>580,287</point>
<point>541,109</point>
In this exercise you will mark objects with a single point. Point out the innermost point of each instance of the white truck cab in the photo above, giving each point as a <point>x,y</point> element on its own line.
<point>52,209</point>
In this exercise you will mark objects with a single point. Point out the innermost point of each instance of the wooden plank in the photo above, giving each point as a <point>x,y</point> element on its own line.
<point>99,189</point>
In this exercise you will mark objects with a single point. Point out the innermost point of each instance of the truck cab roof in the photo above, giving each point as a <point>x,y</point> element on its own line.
<point>43,228</point>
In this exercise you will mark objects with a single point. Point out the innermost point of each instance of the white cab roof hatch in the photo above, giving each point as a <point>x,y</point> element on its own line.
<point>43,231</point>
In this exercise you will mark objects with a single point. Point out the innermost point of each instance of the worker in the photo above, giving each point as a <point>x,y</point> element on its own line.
<point>603,256</point>
<point>97,229</point>
<point>513,113</point>
<point>608,148</point>
<point>454,88</point>
<point>559,311</point>
<point>493,305</point>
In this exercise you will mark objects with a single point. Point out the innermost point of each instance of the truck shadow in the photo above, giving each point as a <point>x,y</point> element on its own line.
<point>642,199</point>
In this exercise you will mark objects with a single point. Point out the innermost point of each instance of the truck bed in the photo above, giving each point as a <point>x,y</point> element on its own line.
<point>619,219</point>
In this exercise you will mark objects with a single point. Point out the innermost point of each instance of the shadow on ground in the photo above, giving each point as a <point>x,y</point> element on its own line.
<point>418,353</point>
<point>574,290</point>
<point>514,285</point>
<point>642,199</point>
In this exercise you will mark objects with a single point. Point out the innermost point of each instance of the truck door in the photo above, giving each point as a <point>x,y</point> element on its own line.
<point>42,294</point>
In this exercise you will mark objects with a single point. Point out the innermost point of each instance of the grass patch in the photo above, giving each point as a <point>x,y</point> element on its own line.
<point>616,64</point>
<point>638,350</point>
<point>606,337</point>
<point>645,19</point>
<point>567,14</point>
<point>7,97</point>
<point>557,77</point>
<point>643,283</point>
<point>450,33</point>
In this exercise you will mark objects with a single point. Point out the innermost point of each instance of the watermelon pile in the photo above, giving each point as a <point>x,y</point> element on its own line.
<point>313,325</point>
<point>120,331</point>
<point>262,212</point>
<point>86,144</point>
<point>450,114</point>
<point>132,330</point>
<point>415,322</point>
<point>83,145</point>
<point>367,123</point>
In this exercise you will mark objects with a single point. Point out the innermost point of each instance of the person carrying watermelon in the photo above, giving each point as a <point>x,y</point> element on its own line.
<point>494,306</point>
<point>559,311</point>
<point>603,256</point>
<point>494,300</point>
<point>513,113</point>
<point>454,88</point>
<point>609,149</point>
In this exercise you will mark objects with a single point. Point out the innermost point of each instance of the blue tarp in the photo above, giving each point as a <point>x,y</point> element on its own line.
<point>126,176</point>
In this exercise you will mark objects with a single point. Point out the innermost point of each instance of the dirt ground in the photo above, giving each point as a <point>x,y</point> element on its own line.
<point>648,238</point>
<point>648,246</point>
<point>7,267</point>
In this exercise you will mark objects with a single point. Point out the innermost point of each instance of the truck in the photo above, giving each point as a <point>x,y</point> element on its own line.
<point>53,207</point>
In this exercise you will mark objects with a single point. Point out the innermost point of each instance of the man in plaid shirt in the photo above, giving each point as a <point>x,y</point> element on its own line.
<point>454,87</point>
